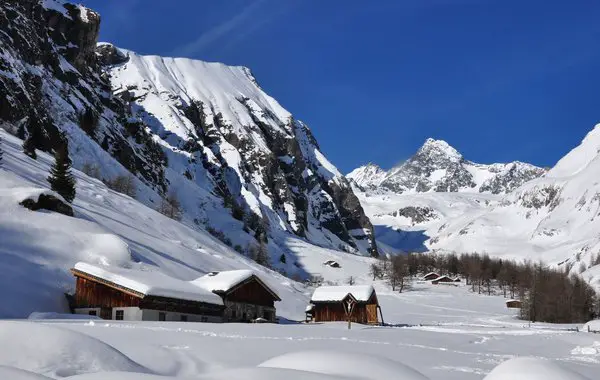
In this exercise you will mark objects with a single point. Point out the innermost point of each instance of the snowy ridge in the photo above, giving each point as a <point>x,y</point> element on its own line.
<point>225,134</point>
<point>438,167</point>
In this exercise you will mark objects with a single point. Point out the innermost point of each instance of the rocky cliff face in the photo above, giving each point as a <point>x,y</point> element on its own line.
<point>236,159</point>
<point>438,167</point>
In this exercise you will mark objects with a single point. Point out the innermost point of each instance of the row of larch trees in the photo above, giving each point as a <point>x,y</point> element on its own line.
<point>549,294</point>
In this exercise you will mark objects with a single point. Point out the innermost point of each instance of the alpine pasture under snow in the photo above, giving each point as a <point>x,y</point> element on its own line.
<point>435,332</point>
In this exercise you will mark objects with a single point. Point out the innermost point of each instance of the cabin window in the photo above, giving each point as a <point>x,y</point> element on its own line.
<point>233,314</point>
<point>162,316</point>
<point>92,312</point>
<point>119,315</point>
<point>184,318</point>
<point>204,319</point>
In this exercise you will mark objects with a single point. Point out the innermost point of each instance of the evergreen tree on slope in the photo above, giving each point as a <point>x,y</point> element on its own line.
<point>61,179</point>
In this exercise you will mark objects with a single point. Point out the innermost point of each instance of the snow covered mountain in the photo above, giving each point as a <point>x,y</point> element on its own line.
<point>438,167</point>
<point>555,218</point>
<point>206,132</point>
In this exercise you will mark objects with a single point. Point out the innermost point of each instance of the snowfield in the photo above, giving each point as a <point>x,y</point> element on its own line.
<point>434,332</point>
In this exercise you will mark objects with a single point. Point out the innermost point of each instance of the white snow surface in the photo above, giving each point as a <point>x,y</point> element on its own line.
<point>345,364</point>
<point>443,333</point>
<point>532,369</point>
<point>151,283</point>
<point>362,293</point>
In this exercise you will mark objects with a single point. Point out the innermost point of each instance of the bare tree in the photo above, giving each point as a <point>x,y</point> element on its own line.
<point>376,271</point>
<point>398,273</point>
<point>171,207</point>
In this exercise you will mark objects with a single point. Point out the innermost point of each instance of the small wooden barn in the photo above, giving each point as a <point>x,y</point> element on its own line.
<point>245,295</point>
<point>134,295</point>
<point>328,304</point>
<point>442,279</point>
<point>430,276</point>
<point>514,304</point>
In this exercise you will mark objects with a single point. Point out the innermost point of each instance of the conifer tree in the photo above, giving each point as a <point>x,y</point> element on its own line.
<point>61,179</point>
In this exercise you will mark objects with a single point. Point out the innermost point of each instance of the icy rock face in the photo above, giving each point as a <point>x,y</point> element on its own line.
<point>438,167</point>
<point>50,77</point>
<point>216,123</point>
<point>204,130</point>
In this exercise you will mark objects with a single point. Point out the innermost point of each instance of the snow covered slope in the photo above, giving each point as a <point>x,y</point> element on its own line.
<point>239,163</point>
<point>555,218</point>
<point>109,229</point>
<point>438,167</point>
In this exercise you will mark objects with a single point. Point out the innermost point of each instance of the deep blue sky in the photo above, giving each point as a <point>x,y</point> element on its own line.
<point>499,80</point>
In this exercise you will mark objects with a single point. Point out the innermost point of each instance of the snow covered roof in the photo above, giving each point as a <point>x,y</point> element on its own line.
<point>150,283</point>
<point>226,280</point>
<point>431,274</point>
<point>362,293</point>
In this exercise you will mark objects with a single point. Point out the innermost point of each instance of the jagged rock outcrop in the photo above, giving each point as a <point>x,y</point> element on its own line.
<point>48,202</point>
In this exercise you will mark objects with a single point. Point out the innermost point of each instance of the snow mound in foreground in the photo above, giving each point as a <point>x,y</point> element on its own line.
<point>57,352</point>
<point>18,374</point>
<point>239,373</point>
<point>532,369</point>
<point>344,364</point>
<point>592,326</point>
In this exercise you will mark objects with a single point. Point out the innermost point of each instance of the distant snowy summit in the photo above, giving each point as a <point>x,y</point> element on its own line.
<point>438,167</point>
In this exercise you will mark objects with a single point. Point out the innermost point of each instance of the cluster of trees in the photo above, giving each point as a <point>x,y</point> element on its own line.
<point>548,294</point>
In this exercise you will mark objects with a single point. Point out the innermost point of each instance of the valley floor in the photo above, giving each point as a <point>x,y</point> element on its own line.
<point>444,332</point>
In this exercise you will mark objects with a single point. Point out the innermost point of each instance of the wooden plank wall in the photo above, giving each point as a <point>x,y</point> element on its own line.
<point>92,294</point>
<point>251,292</point>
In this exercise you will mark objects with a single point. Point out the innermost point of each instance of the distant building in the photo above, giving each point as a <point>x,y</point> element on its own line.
<point>133,295</point>
<point>514,304</point>
<point>442,279</point>
<point>245,295</point>
<point>430,276</point>
<point>328,305</point>
<point>332,264</point>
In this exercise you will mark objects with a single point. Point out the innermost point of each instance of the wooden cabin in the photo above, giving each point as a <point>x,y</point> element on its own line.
<point>514,304</point>
<point>133,295</point>
<point>245,295</point>
<point>328,304</point>
<point>442,279</point>
<point>430,276</point>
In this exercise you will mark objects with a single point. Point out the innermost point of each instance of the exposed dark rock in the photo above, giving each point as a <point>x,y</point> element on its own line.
<point>48,202</point>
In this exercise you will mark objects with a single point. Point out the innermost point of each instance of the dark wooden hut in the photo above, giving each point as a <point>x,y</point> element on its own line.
<point>329,301</point>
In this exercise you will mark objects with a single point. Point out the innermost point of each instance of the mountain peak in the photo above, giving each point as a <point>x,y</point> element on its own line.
<point>440,148</point>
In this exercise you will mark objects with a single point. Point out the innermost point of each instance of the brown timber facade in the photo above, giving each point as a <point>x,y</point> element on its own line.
<point>95,296</point>
<point>249,300</point>
<point>333,311</point>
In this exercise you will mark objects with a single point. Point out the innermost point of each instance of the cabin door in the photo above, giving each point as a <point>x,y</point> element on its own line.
<point>372,314</point>
<point>106,313</point>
